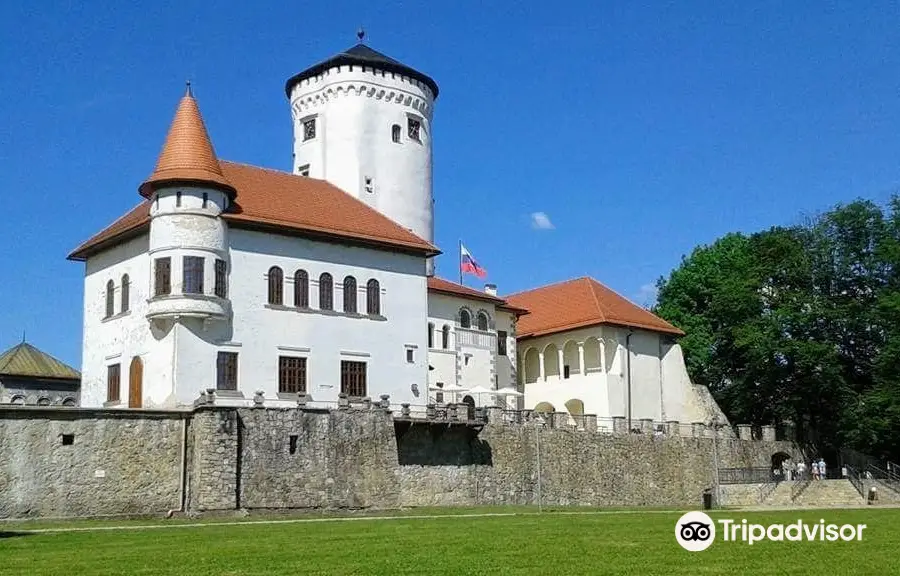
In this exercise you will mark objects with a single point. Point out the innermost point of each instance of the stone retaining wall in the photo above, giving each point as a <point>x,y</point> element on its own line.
<point>130,462</point>
<point>74,462</point>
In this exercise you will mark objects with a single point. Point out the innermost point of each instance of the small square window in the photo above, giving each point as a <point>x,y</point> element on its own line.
<point>303,170</point>
<point>309,129</point>
<point>370,185</point>
<point>68,439</point>
<point>410,355</point>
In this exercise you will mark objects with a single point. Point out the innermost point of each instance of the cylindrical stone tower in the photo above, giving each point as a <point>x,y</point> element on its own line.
<point>362,121</point>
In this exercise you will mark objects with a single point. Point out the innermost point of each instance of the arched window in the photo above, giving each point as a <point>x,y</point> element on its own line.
<point>326,292</point>
<point>110,297</point>
<point>395,133</point>
<point>276,286</point>
<point>373,298</point>
<point>430,335</point>
<point>126,284</point>
<point>482,321</point>
<point>301,289</point>
<point>68,402</point>
<point>350,295</point>
<point>465,318</point>
<point>445,337</point>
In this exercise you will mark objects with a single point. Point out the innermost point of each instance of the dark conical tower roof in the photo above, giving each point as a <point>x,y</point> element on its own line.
<point>362,55</point>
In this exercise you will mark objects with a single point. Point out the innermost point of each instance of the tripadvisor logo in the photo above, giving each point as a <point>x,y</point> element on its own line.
<point>695,531</point>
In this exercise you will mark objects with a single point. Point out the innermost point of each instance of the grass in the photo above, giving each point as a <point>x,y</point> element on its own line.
<point>522,542</point>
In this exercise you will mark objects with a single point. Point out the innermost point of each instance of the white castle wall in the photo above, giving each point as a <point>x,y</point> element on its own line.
<point>450,365</point>
<point>120,338</point>
<point>355,111</point>
<point>260,333</point>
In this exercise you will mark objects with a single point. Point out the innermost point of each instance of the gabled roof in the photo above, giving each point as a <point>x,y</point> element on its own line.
<point>441,286</point>
<point>187,155</point>
<point>363,56</point>
<point>285,203</point>
<point>580,303</point>
<point>26,360</point>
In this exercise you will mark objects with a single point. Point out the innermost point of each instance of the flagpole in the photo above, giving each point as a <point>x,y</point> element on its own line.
<point>459,263</point>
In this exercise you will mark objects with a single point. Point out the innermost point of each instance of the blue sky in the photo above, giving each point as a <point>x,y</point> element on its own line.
<point>639,131</point>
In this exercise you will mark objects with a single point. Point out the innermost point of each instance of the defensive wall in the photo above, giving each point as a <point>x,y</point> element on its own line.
<point>73,462</point>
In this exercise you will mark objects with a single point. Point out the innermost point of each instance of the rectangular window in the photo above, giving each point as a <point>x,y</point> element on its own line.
<point>192,275</point>
<point>226,371</point>
<point>205,199</point>
<point>501,343</point>
<point>413,127</point>
<point>291,374</point>
<point>162,276</point>
<point>221,279</point>
<point>566,371</point>
<point>309,129</point>
<point>303,170</point>
<point>353,378</point>
<point>112,382</point>
<point>410,356</point>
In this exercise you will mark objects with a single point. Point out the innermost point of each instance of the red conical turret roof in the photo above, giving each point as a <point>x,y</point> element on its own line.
<point>188,155</point>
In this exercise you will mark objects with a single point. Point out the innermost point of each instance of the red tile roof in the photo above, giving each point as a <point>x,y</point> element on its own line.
<point>579,303</point>
<point>264,199</point>
<point>283,203</point>
<point>441,286</point>
<point>187,155</point>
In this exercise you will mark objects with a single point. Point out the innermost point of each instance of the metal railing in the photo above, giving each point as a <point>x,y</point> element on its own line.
<point>885,478</point>
<point>745,475</point>
<point>766,490</point>
<point>853,476</point>
<point>799,485</point>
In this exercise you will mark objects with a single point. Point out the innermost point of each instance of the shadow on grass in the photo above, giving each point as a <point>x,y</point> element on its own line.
<point>13,534</point>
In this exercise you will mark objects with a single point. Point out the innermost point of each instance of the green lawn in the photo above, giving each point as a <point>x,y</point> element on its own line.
<point>635,542</point>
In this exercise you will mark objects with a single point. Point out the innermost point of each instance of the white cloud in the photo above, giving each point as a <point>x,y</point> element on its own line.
<point>646,295</point>
<point>540,221</point>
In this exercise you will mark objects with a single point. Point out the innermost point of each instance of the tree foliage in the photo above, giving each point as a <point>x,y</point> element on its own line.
<point>800,324</point>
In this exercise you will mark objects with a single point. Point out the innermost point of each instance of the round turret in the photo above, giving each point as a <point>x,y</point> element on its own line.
<point>362,121</point>
<point>188,240</point>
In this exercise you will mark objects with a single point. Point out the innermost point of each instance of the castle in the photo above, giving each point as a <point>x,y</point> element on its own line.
<point>319,283</point>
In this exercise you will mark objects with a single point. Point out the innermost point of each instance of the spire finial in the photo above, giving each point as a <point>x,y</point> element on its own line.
<point>188,89</point>
<point>361,33</point>
<point>23,335</point>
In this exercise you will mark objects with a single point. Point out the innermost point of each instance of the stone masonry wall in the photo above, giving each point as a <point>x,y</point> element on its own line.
<point>577,468</point>
<point>118,462</point>
<point>130,462</point>
<point>214,462</point>
<point>316,459</point>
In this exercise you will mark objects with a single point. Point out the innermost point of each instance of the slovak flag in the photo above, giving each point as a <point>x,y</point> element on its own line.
<point>468,265</point>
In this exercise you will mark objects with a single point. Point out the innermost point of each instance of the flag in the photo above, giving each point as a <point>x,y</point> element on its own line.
<point>468,265</point>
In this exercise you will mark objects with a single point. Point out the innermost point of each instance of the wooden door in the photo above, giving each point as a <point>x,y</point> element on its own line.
<point>135,383</point>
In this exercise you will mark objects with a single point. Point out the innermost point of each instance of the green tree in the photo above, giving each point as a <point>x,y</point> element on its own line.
<point>800,323</point>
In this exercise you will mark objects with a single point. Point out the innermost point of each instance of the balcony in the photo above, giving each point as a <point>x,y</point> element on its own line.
<point>175,306</point>
<point>476,339</point>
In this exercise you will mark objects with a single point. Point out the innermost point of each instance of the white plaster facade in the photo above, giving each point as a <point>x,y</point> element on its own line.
<point>354,112</point>
<point>586,371</point>
<point>178,350</point>
<point>469,357</point>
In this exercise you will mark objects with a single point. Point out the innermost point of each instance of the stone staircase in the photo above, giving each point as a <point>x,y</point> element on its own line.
<point>829,493</point>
